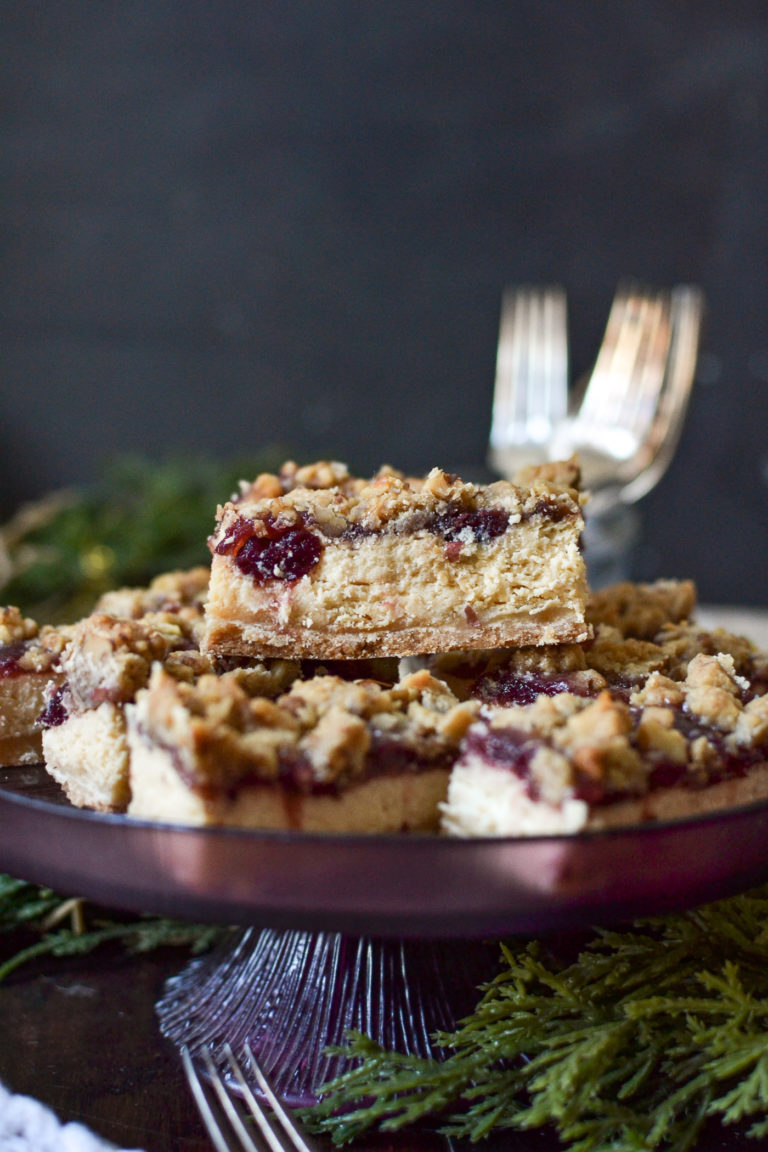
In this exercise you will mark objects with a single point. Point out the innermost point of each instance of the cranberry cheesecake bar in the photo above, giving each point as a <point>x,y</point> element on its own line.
<point>107,659</point>
<point>29,663</point>
<point>670,748</point>
<point>105,663</point>
<point>314,563</point>
<point>329,755</point>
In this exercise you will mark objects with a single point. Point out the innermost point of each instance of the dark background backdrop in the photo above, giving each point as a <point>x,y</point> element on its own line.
<point>283,221</point>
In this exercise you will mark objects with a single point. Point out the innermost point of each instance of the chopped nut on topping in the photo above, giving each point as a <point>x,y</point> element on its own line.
<point>322,474</point>
<point>659,692</point>
<point>188,665</point>
<point>601,721</point>
<point>552,773</point>
<point>266,486</point>
<point>656,736</point>
<point>641,610</point>
<point>447,487</point>
<point>14,627</point>
<point>381,502</point>
<point>703,755</point>
<point>713,690</point>
<point>337,746</point>
<point>453,724</point>
<point>751,728</point>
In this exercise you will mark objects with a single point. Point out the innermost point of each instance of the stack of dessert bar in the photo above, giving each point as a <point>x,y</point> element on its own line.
<point>392,655</point>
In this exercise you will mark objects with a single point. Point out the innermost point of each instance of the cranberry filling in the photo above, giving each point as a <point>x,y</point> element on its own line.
<point>554,510</point>
<point>666,775</point>
<point>506,687</point>
<point>281,552</point>
<point>509,747</point>
<point>588,789</point>
<point>456,526</point>
<point>55,712</point>
<point>483,525</point>
<point>10,655</point>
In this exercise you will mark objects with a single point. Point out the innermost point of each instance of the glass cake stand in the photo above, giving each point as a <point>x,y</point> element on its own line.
<point>389,935</point>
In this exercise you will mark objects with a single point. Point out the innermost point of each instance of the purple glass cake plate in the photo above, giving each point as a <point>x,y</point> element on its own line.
<point>405,886</point>
<point>388,935</point>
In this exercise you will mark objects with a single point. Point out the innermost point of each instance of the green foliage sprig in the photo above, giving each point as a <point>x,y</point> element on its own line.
<point>55,926</point>
<point>635,1044</point>
<point>60,553</point>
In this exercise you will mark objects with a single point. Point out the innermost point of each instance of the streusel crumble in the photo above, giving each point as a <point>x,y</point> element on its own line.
<point>328,755</point>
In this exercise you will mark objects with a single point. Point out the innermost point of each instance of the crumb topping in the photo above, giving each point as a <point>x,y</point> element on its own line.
<point>27,647</point>
<point>14,627</point>
<point>181,591</point>
<point>326,498</point>
<point>641,610</point>
<point>108,658</point>
<point>690,732</point>
<point>323,732</point>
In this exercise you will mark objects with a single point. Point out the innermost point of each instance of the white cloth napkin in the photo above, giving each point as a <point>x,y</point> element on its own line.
<point>28,1126</point>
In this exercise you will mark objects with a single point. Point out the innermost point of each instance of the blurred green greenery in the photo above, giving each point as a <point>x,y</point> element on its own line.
<point>141,518</point>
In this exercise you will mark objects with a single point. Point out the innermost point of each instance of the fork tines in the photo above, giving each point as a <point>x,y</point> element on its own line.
<point>626,421</point>
<point>236,1121</point>
<point>531,388</point>
<point>686,317</point>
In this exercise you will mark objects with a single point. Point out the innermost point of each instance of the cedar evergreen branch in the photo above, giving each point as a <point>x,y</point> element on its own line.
<point>54,926</point>
<point>635,1044</point>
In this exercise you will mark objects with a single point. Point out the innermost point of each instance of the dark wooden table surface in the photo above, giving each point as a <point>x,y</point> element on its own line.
<point>81,1035</point>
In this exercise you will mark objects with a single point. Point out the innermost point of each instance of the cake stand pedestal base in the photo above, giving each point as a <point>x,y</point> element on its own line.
<point>291,994</point>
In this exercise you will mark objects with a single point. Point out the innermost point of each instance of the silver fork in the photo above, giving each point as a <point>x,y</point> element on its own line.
<point>620,396</point>
<point>628,423</point>
<point>687,313</point>
<point>241,1125</point>
<point>531,390</point>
